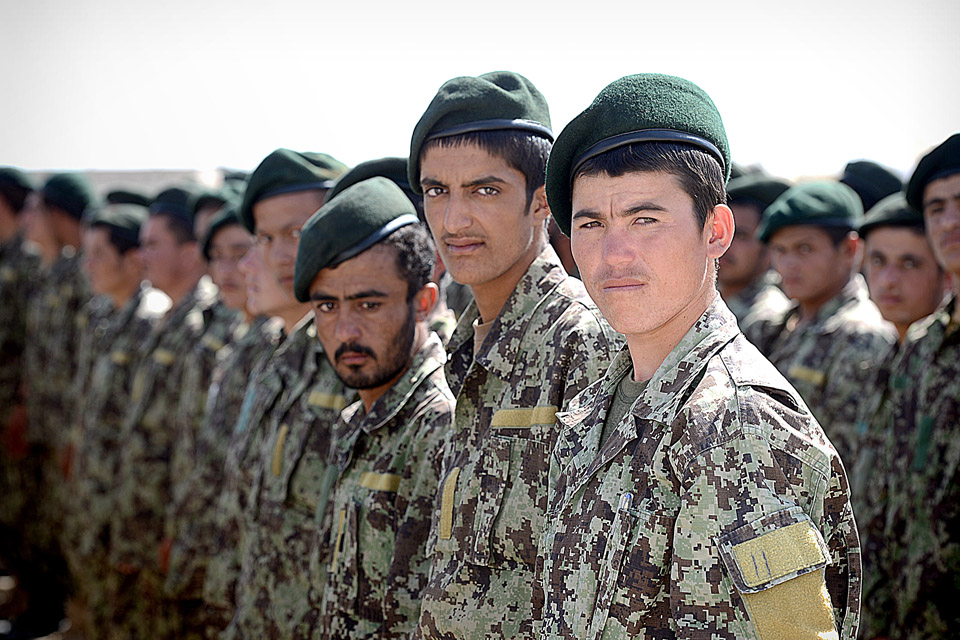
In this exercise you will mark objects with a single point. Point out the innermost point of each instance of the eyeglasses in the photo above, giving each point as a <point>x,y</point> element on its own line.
<point>287,236</point>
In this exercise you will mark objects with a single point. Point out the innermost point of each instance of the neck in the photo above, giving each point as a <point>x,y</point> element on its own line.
<point>122,297</point>
<point>809,308</point>
<point>491,296</point>
<point>648,350</point>
<point>184,286</point>
<point>370,396</point>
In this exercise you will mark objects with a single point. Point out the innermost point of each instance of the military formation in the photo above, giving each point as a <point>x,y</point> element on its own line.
<point>387,402</point>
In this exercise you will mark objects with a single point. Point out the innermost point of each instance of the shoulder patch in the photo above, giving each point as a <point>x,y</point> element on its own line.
<point>323,400</point>
<point>389,482</point>
<point>523,418</point>
<point>807,374</point>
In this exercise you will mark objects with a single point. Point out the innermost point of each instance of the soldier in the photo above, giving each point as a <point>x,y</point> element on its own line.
<point>530,340</point>
<point>912,548</point>
<point>373,322</point>
<point>832,339</point>
<point>442,318</point>
<point>745,281</point>
<point>905,280</point>
<point>144,483</point>
<point>692,494</point>
<point>112,264</point>
<point>286,423</point>
<point>871,181</point>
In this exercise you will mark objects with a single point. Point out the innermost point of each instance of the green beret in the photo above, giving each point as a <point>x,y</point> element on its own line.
<point>14,187</point>
<point>872,182</point>
<point>208,197</point>
<point>123,220</point>
<point>755,188</point>
<point>225,217</point>
<point>394,169</point>
<point>647,107</point>
<point>892,211</point>
<point>126,196</point>
<point>492,102</point>
<point>821,204</point>
<point>346,226</point>
<point>286,171</point>
<point>70,192</point>
<point>176,202</point>
<point>942,162</point>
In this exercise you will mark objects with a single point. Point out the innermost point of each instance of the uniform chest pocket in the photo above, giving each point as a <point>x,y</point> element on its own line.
<point>634,569</point>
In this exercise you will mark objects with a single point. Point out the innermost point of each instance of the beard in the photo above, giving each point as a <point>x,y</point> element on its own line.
<point>387,367</point>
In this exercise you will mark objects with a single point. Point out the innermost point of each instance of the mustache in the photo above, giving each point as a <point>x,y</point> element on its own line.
<point>353,347</point>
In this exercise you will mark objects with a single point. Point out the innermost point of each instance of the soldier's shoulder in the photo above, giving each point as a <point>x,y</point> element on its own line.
<point>863,322</point>
<point>568,311</point>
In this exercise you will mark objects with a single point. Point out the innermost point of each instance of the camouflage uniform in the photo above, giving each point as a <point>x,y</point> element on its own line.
<point>100,419</point>
<point>293,476</point>
<point>831,360</point>
<point>390,464</point>
<point>911,540</point>
<point>546,345</point>
<point>194,511</point>
<point>144,483</point>
<point>759,302</point>
<point>655,533</point>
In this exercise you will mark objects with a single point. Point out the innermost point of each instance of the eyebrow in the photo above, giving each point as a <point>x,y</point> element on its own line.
<point>640,207</point>
<point>320,296</point>
<point>433,182</point>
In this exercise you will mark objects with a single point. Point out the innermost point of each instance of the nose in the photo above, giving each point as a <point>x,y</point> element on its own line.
<point>887,277</point>
<point>618,248</point>
<point>348,329</point>
<point>456,217</point>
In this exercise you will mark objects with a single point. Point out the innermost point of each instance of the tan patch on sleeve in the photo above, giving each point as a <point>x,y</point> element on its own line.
<point>326,400</point>
<point>380,481</point>
<point>336,547</point>
<point>523,418</point>
<point>778,553</point>
<point>277,462</point>
<point>446,504</point>
<point>164,357</point>
<point>807,375</point>
<point>797,608</point>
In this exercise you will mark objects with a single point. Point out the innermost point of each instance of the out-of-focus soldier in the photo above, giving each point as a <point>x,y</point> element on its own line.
<point>287,417</point>
<point>746,283</point>
<point>910,530</point>
<point>366,262</point>
<point>871,182</point>
<point>832,339</point>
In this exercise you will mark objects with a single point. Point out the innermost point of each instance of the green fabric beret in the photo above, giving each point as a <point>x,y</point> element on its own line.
<point>286,171</point>
<point>942,162</point>
<point>346,226</point>
<point>394,169</point>
<point>70,192</point>
<point>176,202</point>
<point>127,196</point>
<point>14,187</point>
<point>490,102</point>
<point>647,107</point>
<point>871,181</point>
<point>892,211</point>
<point>756,189</point>
<point>821,204</point>
<point>124,220</point>
<point>225,217</point>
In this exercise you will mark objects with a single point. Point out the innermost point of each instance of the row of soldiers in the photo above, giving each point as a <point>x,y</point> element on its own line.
<point>251,413</point>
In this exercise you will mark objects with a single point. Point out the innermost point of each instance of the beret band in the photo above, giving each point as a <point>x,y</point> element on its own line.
<point>374,238</point>
<point>646,135</point>
<point>293,188</point>
<point>493,125</point>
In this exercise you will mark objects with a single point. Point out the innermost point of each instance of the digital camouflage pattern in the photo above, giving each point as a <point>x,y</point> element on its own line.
<point>143,486</point>
<point>911,539</point>
<point>759,302</point>
<point>105,399</point>
<point>274,597</point>
<point>389,463</point>
<point>547,344</point>
<point>831,359</point>
<point>645,535</point>
<point>197,536</point>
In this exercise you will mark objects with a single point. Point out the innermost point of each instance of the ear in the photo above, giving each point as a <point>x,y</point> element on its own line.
<point>719,228</point>
<point>425,300</point>
<point>539,208</point>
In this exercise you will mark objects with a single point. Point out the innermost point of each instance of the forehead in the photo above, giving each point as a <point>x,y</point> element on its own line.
<point>893,241</point>
<point>623,190</point>
<point>286,209</point>
<point>800,234</point>
<point>439,162</point>
<point>948,187</point>
<point>230,235</point>
<point>155,228</point>
<point>375,268</point>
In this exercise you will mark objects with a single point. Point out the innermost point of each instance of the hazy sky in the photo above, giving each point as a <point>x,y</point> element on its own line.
<point>803,87</point>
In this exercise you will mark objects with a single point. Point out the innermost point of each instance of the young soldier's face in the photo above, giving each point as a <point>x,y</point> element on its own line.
<point>905,281</point>
<point>811,267</point>
<point>107,271</point>
<point>941,211</point>
<point>164,258</point>
<point>264,294</point>
<point>364,321</point>
<point>642,254</point>
<point>746,259</point>
<point>475,205</point>
<point>227,248</point>
<point>278,220</point>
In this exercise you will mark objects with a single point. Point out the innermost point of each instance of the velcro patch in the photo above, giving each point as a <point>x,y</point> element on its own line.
<point>380,481</point>
<point>523,418</point>
<point>326,400</point>
<point>790,550</point>
<point>277,466</point>
<point>807,374</point>
<point>446,504</point>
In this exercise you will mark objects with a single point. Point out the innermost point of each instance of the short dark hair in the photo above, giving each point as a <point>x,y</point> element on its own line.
<point>415,255</point>
<point>699,173</point>
<point>181,229</point>
<point>15,195</point>
<point>525,152</point>
<point>121,241</point>
<point>917,226</point>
